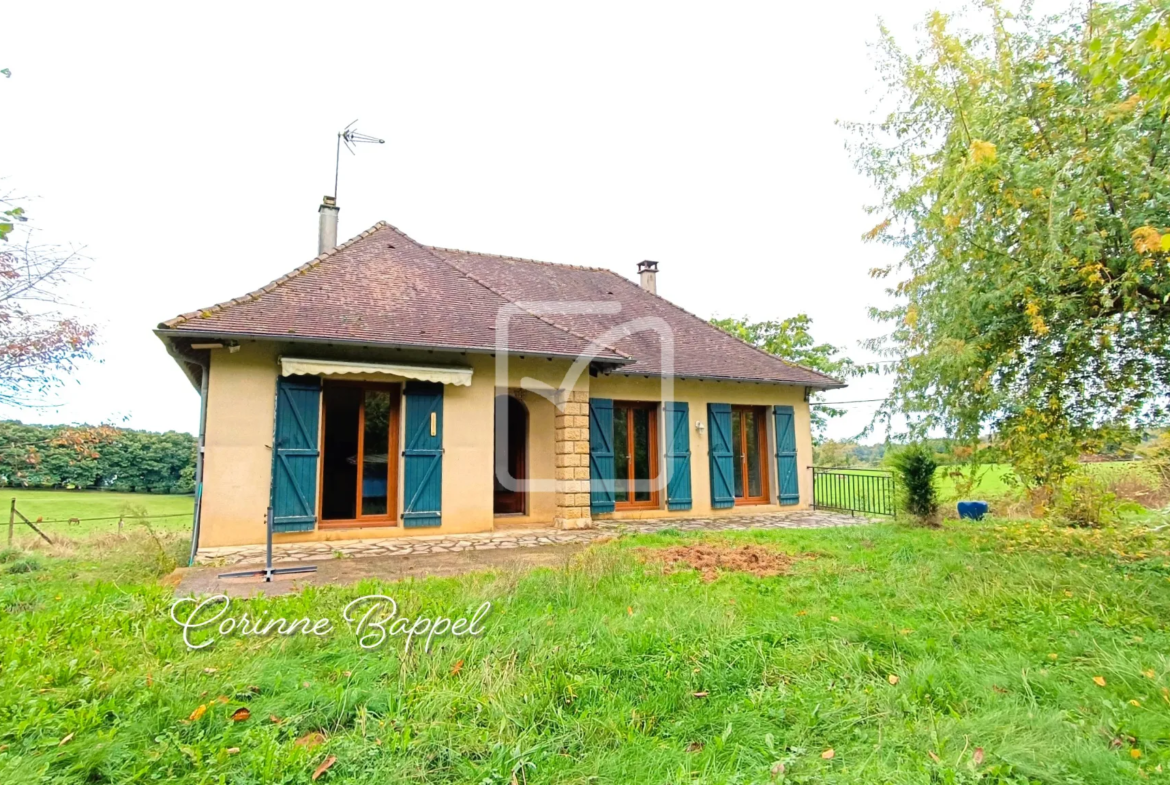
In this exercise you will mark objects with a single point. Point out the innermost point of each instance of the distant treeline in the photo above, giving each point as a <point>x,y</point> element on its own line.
<point>848,454</point>
<point>116,459</point>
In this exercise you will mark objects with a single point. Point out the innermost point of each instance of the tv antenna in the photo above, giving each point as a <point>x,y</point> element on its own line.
<point>351,136</point>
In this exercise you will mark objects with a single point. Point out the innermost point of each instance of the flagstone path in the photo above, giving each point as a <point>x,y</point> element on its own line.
<point>515,538</point>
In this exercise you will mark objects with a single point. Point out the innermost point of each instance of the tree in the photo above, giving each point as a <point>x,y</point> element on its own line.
<point>1025,176</point>
<point>39,345</point>
<point>791,340</point>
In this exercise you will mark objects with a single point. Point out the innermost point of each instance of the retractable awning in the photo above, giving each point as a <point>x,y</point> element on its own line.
<point>293,366</point>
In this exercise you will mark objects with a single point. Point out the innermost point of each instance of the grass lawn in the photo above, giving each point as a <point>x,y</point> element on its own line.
<point>172,512</point>
<point>993,653</point>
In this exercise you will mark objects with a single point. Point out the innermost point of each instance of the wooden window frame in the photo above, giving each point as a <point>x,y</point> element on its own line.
<point>392,479</point>
<point>761,413</point>
<point>652,435</point>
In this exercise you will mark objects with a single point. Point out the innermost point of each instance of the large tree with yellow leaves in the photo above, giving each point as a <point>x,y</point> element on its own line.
<point>1024,165</point>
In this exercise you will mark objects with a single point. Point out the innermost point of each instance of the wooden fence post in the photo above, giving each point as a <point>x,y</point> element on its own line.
<point>11,520</point>
<point>119,524</point>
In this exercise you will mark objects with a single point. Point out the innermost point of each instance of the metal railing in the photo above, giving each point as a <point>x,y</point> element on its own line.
<point>868,491</point>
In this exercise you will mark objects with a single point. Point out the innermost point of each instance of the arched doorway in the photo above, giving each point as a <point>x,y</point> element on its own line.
<point>510,458</point>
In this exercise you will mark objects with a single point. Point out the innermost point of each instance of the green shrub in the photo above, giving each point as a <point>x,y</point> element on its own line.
<point>1086,500</point>
<point>24,564</point>
<point>915,466</point>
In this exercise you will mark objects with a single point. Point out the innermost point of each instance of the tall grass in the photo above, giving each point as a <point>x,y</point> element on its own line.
<point>901,650</point>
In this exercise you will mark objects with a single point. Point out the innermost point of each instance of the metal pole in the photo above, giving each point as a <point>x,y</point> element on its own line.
<point>268,558</point>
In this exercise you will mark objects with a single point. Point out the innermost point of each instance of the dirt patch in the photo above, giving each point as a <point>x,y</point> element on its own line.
<point>710,560</point>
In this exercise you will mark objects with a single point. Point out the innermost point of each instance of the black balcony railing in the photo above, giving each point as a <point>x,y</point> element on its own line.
<point>868,491</point>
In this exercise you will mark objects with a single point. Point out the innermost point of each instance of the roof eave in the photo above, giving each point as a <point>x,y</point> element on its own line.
<point>171,333</point>
<point>831,384</point>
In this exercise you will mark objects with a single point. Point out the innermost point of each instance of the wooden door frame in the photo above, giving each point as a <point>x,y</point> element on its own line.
<point>392,478</point>
<point>652,450</point>
<point>761,413</point>
<point>523,474</point>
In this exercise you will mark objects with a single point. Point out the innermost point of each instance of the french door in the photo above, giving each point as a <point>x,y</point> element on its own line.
<point>749,442</point>
<point>359,457</point>
<point>635,454</point>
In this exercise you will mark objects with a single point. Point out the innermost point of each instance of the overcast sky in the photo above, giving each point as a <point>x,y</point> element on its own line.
<point>187,147</point>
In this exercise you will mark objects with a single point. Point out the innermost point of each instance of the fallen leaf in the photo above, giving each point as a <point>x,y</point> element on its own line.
<point>222,699</point>
<point>311,739</point>
<point>347,674</point>
<point>630,610</point>
<point>1150,674</point>
<point>1053,656</point>
<point>699,694</point>
<point>977,758</point>
<point>149,680</point>
<point>324,767</point>
<point>695,746</point>
<point>1000,690</point>
<point>458,666</point>
<point>65,740</point>
<point>232,750</point>
<point>828,754</point>
<point>200,710</point>
<point>1133,702</point>
<point>1099,681</point>
<point>274,719</point>
<point>802,613</point>
<point>892,679</point>
<point>905,632</point>
<point>933,757</point>
<point>833,618</point>
<point>777,769</point>
<point>241,714</point>
<point>211,670</point>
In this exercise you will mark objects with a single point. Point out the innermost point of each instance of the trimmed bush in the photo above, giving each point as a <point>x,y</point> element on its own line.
<point>915,466</point>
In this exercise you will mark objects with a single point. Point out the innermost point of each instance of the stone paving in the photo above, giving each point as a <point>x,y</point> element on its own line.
<point>515,538</point>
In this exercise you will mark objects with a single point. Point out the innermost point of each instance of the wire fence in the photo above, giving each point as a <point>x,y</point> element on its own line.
<point>14,514</point>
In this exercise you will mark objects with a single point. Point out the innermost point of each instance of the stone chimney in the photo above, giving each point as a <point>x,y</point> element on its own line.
<point>327,226</point>
<point>647,275</point>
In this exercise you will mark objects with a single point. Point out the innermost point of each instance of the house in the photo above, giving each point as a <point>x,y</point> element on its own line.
<point>388,388</point>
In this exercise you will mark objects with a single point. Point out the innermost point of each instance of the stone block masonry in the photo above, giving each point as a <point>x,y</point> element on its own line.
<point>572,456</point>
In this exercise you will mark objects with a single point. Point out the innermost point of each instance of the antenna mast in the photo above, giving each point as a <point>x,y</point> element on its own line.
<point>351,137</point>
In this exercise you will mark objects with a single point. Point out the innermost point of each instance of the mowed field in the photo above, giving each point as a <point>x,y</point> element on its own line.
<point>995,481</point>
<point>55,508</point>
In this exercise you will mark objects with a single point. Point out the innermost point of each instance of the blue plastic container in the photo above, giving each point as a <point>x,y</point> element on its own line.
<point>972,510</point>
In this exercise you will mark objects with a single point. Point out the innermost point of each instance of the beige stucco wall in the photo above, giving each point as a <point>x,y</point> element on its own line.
<point>238,457</point>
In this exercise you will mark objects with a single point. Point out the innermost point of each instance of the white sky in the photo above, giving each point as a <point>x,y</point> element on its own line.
<point>188,146</point>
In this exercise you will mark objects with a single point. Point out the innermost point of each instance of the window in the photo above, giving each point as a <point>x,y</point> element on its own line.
<point>635,454</point>
<point>749,440</point>
<point>359,462</point>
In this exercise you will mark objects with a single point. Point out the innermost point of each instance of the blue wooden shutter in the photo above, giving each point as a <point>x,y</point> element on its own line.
<point>422,472</point>
<point>294,454</point>
<point>601,482</point>
<point>678,455</point>
<point>786,455</point>
<point>722,470</point>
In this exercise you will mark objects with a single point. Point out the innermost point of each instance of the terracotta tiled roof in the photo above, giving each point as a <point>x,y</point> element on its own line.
<point>382,287</point>
<point>700,350</point>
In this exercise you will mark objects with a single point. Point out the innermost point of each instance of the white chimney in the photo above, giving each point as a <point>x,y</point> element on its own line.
<point>647,275</point>
<point>327,226</point>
